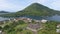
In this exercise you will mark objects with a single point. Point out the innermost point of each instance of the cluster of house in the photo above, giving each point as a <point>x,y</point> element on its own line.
<point>33,27</point>
<point>37,26</point>
<point>25,19</point>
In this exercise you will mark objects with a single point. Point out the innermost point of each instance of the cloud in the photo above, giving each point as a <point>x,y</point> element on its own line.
<point>55,5</point>
<point>39,1</point>
<point>15,5</point>
<point>5,5</point>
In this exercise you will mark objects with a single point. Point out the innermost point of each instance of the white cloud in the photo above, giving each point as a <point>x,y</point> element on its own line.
<point>4,5</point>
<point>55,5</point>
<point>18,5</point>
<point>39,1</point>
<point>42,1</point>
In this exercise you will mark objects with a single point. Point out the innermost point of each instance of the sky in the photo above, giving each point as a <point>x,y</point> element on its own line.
<point>17,5</point>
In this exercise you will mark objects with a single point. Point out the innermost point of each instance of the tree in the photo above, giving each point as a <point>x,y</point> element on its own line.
<point>11,29</point>
<point>6,27</point>
<point>33,21</point>
<point>21,22</point>
<point>28,32</point>
<point>20,29</point>
<point>0,27</point>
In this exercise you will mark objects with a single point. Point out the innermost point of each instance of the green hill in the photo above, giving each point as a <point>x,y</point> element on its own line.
<point>34,9</point>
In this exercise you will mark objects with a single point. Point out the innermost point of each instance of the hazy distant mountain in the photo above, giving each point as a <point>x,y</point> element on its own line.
<point>4,12</point>
<point>35,9</point>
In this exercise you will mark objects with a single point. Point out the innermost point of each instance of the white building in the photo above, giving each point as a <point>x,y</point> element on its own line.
<point>43,21</point>
<point>58,26</point>
<point>15,20</point>
<point>58,30</point>
<point>0,32</point>
<point>29,20</point>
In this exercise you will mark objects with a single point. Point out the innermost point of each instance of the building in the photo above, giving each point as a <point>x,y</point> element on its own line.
<point>44,21</point>
<point>29,20</point>
<point>0,31</point>
<point>58,30</point>
<point>24,19</point>
<point>58,26</point>
<point>15,20</point>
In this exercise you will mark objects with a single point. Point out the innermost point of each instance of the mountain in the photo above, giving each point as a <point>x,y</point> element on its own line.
<point>4,12</point>
<point>35,9</point>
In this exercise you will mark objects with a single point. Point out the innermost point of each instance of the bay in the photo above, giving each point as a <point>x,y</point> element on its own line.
<point>52,18</point>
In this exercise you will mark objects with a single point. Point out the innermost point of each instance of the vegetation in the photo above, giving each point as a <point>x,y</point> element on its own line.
<point>14,27</point>
<point>20,28</point>
<point>49,28</point>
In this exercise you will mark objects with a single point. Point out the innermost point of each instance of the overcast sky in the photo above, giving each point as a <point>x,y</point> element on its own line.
<point>16,5</point>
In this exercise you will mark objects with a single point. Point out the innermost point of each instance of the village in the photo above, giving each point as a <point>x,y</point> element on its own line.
<point>33,24</point>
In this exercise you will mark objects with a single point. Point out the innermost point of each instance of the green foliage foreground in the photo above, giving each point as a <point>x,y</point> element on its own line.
<point>20,28</point>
